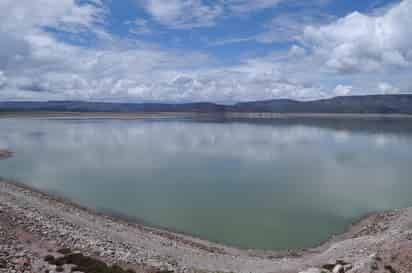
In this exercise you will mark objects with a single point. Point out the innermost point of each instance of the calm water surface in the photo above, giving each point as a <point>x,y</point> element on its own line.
<point>270,185</point>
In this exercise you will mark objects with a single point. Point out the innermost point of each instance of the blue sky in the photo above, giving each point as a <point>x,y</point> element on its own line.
<point>203,50</point>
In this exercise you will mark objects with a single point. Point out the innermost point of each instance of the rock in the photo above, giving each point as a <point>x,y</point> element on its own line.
<point>329,267</point>
<point>338,269</point>
<point>347,267</point>
<point>312,270</point>
<point>3,263</point>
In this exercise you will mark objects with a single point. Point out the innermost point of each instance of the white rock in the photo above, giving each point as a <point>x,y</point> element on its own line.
<point>338,269</point>
<point>312,270</point>
<point>347,267</point>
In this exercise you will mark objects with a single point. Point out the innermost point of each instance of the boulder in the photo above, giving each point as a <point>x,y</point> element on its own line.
<point>338,269</point>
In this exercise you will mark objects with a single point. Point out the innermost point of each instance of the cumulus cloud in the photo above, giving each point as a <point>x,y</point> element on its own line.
<point>40,66</point>
<point>366,43</point>
<point>235,84</point>
<point>36,64</point>
<point>342,90</point>
<point>290,26</point>
<point>22,23</point>
<point>24,15</point>
<point>387,88</point>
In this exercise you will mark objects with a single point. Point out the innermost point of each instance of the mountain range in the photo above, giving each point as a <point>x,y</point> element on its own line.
<point>368,104</point>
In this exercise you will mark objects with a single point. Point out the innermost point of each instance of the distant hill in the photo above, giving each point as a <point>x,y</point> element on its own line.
<point>370,104</point>
<point>379,104</point>
<point>83,106</point>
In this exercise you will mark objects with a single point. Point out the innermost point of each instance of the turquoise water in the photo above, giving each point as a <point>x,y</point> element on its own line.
<point>259,184</point>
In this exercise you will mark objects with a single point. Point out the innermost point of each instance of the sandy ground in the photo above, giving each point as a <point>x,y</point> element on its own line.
<point>41,224</point>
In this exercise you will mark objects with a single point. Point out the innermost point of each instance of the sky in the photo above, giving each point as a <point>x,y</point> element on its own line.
<point>222,51</point>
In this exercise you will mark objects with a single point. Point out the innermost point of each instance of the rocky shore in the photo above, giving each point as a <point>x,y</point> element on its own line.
<point>5,154</point>
<point>42,233</point>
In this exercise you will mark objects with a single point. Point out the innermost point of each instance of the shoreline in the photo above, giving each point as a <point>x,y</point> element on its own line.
<point>4,154</point>
<point>166,250</point>
<point>190,239</point>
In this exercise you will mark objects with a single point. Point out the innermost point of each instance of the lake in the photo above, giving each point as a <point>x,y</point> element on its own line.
<point>267,184</point>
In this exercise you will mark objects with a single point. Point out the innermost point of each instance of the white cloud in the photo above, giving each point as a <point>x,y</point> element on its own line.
<point>285,27</point>
<point>235,84</point>
<point>387,88</point>
<point>290,26</point>
<point>228,41</point>
<point>183,13</point>
<point>3,79</point>
<point>144,74</point>
<point>140,26</point>
<point>342,90</point>
<point>361,42</point>
<point>39,66</point>
<point>24,15</point>
<point>35,64</point>
<point>247,5</point>
<point>25,44</point>
<point>297,51</point>
<point>199,13</point>
<point>203,13</point>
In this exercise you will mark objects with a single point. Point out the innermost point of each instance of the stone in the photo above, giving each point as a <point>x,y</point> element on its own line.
<point>3,263</point>
<point>312,270</point>
<point>338,269</point>
<point>347,267</point>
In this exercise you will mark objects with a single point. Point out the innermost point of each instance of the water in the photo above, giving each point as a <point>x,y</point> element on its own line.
<point>259,184</point>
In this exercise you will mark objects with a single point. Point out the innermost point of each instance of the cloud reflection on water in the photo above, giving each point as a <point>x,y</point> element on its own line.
<point>233,182</point>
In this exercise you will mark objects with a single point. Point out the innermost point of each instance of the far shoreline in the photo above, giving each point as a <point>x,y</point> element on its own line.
<point>195,115</point>
<point>5,154</point>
